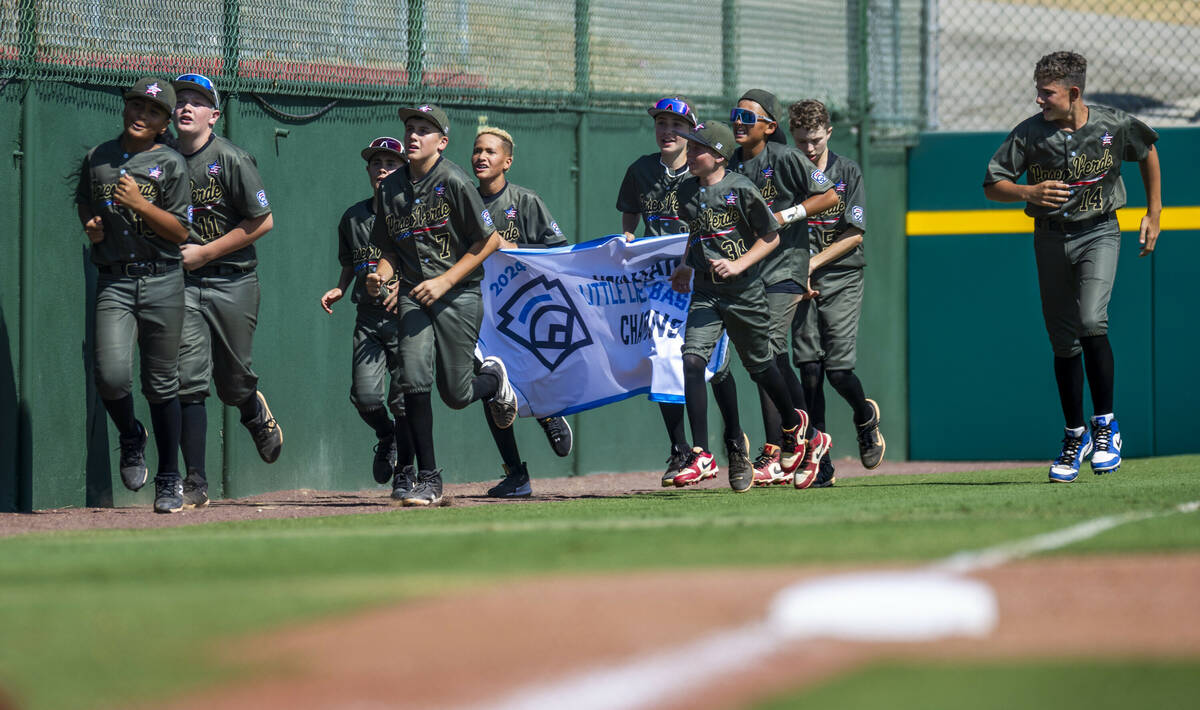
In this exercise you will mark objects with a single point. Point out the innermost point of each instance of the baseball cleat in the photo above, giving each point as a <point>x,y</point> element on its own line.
<point>403,481</point>
<point>825,476</point>
<point>675,463</point>
<point>791,455</point>
<point>168,493</point>
<point>195,489</point>
<point>268,437</point>
<point>871,445</point>
<point>1077,445</point>
<point>515,484</point>
<point>558,433</point>
<point>766,465</point>
<point>384,465</point>
<point>699,466</point>
<point>503,405</point>
<point>1106,444</point>
<point>741,470</point>
<point>428,490</point>
<point>133,459</point>
<point>818,446</point>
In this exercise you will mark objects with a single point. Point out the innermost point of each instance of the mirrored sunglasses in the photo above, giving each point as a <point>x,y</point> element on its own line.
<point>198,79</point>
<point>747,117</point>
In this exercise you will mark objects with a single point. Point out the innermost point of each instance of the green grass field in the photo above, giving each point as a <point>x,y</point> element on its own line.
<point>120,610</point>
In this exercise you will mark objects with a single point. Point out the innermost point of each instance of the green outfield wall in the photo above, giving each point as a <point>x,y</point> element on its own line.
<point>980,372</point>
<point>56,446</point>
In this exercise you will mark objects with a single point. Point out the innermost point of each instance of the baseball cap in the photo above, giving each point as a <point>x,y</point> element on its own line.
<point>772,108</point>
<point>674,106</point>
<point>716,136</point>
<point>154,90</point>
<point>201,85</point>
<point>385,144</point>
<point>429,112</point>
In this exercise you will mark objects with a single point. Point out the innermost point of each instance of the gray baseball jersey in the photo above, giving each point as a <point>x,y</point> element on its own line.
<point>1089,160</point>
<point>723,222</point>
<point>850,211</point>
<point>522,218</point>
<point>226,189</point>
<point>161,175</point>
<point>355,249</point>
<point>649,189</point>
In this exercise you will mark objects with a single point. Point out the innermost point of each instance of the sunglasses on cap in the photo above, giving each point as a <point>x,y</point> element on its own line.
<point>198,79</point>
<point>387,144</point>
<point>747,117</point>
<point>674,106</point>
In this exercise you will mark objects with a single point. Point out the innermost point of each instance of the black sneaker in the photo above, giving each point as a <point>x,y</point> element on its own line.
<point>675,463</point>
<point>133,459</point>
<point>558,431</point>
<point>403,482</point>
<point>384,466</point>
<point>870,442</point>
<point>515,484</point>
<point>195,489</point>
<point>168,493</point>
<point>268,437</point>
<point>428,490</point>
<point>503,405</point>
<point>741,469</point>
<point>825,474</point>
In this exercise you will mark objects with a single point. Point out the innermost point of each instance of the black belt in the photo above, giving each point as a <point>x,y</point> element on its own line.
<point>138,268</point>
<point>220,270</point>
<point>1045,223</point>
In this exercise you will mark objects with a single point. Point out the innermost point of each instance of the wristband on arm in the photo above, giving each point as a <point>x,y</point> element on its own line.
<point>792,214</point>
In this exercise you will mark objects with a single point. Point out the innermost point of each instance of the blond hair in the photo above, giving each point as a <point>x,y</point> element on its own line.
<point>500,133</point>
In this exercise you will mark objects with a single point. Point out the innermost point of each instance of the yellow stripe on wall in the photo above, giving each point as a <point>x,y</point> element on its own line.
<point>1014,221</point>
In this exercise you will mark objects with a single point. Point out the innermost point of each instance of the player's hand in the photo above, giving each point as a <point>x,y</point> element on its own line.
<point>681,279</point>
<point>430,290</point>
<point>629,237</point>
<point>1050,193</point>
<point>724,268</point>
<point>391,301</point>
<point>128,194</point>
<point>374,284</point>
<point>194,256</point>
<point>505,244</point>
<point>94,229</point>
<point>1148,233</point>
<point>810,293</point>
<point>331,297</point>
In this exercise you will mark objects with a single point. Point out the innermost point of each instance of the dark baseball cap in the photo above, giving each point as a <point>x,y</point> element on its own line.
<point>429,112</point>
<point>155,90</point>
<point>716,136</point>
<point>675,106</point>
<point>384,144</point>
<point>768,101</point>
<point>201,85</point>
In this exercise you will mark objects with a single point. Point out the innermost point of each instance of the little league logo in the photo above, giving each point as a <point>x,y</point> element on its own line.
<point>190,212</point>
<point>261,196</point>
<point>542,318</point>
<point>487,218</point>
<point>214,168</point>
<point>554,226</point>
<point>856,213</point>
<point>819,177</point>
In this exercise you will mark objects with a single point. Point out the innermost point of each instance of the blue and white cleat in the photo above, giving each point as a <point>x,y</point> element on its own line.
<point>1077,445</point>
<point>1106,444</point>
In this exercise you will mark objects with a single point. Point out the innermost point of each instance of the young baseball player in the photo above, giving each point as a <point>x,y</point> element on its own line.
<point>793,188</point>
<point>132,199</point>
<point>230,212</point>
<point>434,234</point>
<point>522,220</point>
<point>648,194</point>
<point>825,327</point>
<point>1072,154</point>
<point>730,231</point>
<point>375,387</point>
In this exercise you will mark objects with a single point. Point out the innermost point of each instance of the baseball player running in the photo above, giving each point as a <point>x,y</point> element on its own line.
<point>1072,154</point>
<point>132,199</point>
<point>434,234</point>
<point>825,327</point>
<point>522,220</point>
<point>230,212</point>
<point>375,389</point>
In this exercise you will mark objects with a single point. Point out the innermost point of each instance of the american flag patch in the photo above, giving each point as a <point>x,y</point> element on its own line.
<point>440,189</point>
<point>214,168</point>
<point>1106,139</point>
<point>153,90</point>
<point>840,186</point>
<point>511,212</point>
<point>768,171</point>
<point>731,199</point>
<point>424,108</point>
<point>155,172</point>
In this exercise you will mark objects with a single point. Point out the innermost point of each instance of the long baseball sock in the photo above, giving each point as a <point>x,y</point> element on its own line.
<point>418,409</point>
<point>772,381</point>
<point>194,419</point>
<point>696,397</point>
<point>672,415</point>
<point>121,413</point>
<point>249,408</point>
<point>378,420</point>
<point>850,387</point>
<point>167,423</point>
<point>812,378</point>
<point>484,386</point>
<point>724,391</point>
<point>506,442</point>
<point>772,420</point>
<point>1098,361</point>
<point>404,441</point>
<point>1068,372</point>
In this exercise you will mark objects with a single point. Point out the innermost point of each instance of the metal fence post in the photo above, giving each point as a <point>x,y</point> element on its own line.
<point>231,52</point>
<point>729,49</point>
<point>416,44</point>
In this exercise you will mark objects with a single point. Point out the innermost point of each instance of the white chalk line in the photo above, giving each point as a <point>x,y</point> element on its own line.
<point>645,680</point>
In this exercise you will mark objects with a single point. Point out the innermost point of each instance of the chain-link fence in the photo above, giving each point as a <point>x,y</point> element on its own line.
<point>1143,57</point>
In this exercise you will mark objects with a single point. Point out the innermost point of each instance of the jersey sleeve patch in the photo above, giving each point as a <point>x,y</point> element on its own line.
<point>261,196</point>
<point>487,218</point>
<point>856,213</point>
<point>819,177</point>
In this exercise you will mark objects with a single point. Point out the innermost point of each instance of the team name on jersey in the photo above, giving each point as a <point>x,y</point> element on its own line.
<point>418,216</point>
<point>362,256</point>
<point>104,191</point>
<point>510,233</point>
<point>769,192</point>
<point>1077,167</point>
<point>669,204</point>
<point>710,221</point>
<point>209,194</point>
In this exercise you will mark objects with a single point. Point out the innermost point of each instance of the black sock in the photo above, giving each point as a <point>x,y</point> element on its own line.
<point>1098,361</point>
<point>249,409</point>
<point>770,417</point>
<point>850,387</point>
<point>672,415</point>
<point>418,409</point>
<point>120,411</point>
<point>724,391</point>
<point>484,386</point>
<point>1068,372</point>
<point>696,397</point>
<point>404,442</point>
<point>166,419</point>
<point>379,420</point>
<point>506,442</point>
<point>772,381</point>
<point>193,417</point>
<point>812,376</point>
<point>794,386</point>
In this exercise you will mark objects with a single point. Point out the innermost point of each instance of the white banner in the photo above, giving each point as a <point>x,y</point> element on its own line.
<point>584,325</point>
